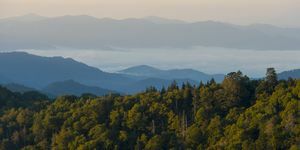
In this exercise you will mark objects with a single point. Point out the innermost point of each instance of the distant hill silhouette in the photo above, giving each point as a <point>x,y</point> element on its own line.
<point>65,75</point>
<point>148,71</point>
<point>4,79</point>
<point>14,87</point>
<point>70,87</point>
<point>86,32</point>
<point>290,74</point>
<point>38,72</point>
<point>26,18</point>
<point>160,20</point>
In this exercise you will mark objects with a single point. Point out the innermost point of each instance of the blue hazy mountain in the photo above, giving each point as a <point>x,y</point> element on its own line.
<point>173,74</point>
<point>276,31</point>
<point>4,79</point>
<point>14,87</point>
<point>142,70</point>
<point>70,87</point>
<point>86,32</point>
<point>38,72</point>
<point>290,74</point>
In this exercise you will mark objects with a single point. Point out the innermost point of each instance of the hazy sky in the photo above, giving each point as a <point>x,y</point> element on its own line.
<point>277,12</point>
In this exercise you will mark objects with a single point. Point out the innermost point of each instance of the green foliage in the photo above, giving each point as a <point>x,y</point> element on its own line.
<point>237,114</point>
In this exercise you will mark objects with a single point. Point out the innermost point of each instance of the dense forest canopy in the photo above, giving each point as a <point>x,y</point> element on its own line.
<point>238,113</point>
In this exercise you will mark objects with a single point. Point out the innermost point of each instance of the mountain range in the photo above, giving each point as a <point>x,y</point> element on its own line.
<point>87,32</point>
<point>22,72</point>
<point>189,74</point>
<point>51,74</point>
<point>38,72</point>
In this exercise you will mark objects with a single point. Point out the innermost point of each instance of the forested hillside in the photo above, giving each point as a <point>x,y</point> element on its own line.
<point>238,113</point>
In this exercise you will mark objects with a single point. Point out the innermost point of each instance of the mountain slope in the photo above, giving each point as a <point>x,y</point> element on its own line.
<point>141,70</point>
<point>37,72</point>
<point>148,71</point>
<point>18,88</point>
<point>290,74</point>
<point>71,87</point>
<point>4,79</point>
<point>89,32</point>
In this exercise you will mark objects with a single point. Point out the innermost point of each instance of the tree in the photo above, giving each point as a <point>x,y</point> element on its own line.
<point>63,139</point>
<point>194,137</point>
<point>236,89</point>
<point>267,86</point>
<point>155,143</point>
<point>271,76</point>
<point>271,80</point>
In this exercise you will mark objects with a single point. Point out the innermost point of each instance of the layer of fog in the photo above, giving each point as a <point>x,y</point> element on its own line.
<point>209,60</point>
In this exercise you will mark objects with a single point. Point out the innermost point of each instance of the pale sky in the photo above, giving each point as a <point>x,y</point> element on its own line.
<point>276,12</point>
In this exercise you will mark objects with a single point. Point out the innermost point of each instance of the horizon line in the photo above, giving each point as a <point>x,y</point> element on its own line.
<point>145,17</point>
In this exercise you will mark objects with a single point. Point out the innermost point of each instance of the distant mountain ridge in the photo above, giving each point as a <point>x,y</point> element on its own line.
<point>58,75</point>
<point>26,18</point>
<point>86,32</point>
<point>290,74</point>
<point>38,72</point>
<point>4,79</point>
<point>14,87</point>
<point>160,20</point>
<point>70,87</point>
<point>172,74</point>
